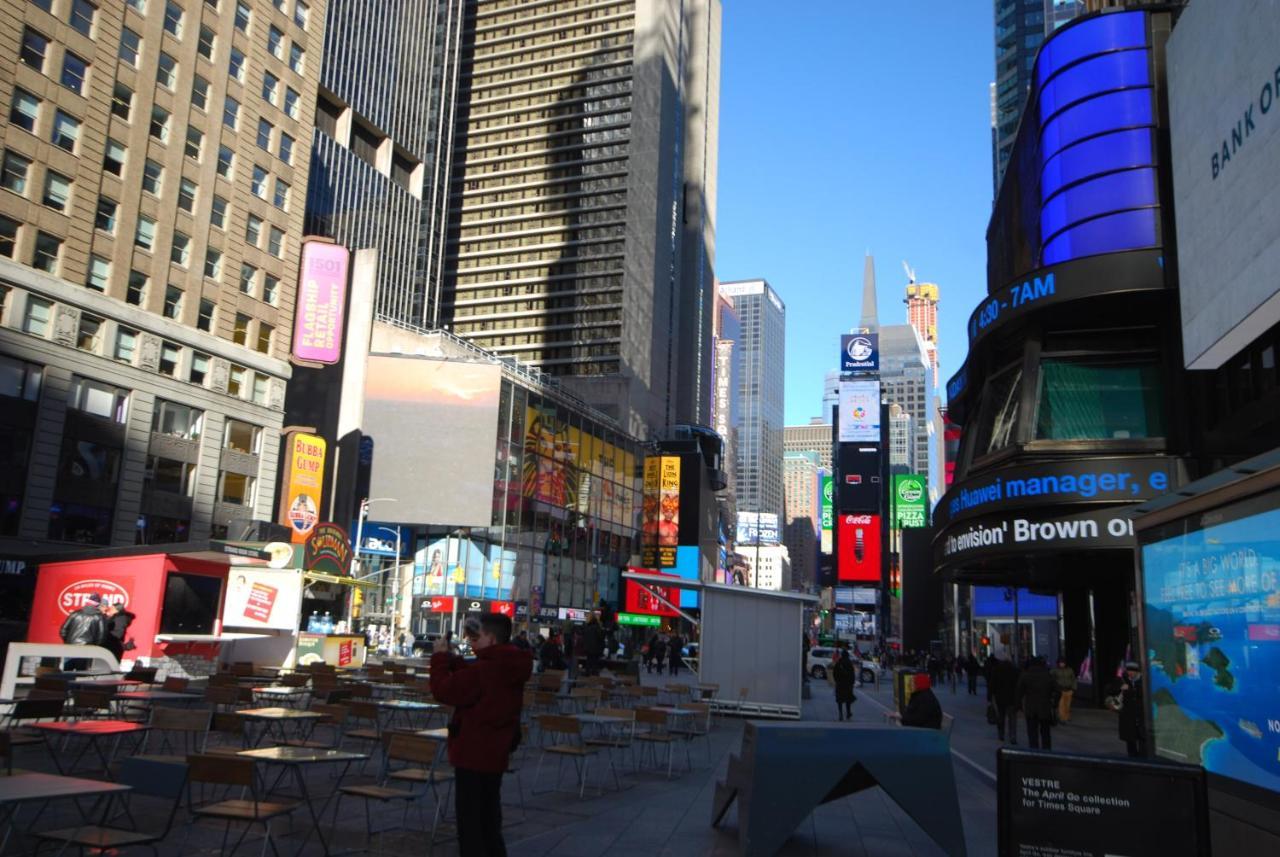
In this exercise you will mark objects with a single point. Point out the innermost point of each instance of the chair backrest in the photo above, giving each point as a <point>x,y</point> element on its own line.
<point>221,695</point>
<point>363,710</point>
<point>240,668</point>
<point>544,699</point>
<point>36,709</point>
<point>374,670</point>
<point>295,679</point>
<point>223,680</point>
<point>648,691</point>
<point>152,777</point>
<point>181,719</point>
<point>227,723</point>
<point>591,694</point>
<point>651,717</point>
<point>361,690</point>
<point>620,713</point>
<point>44,693</point>
<point>702,711</point>
<point>92,699</point>
<point>417,749</point>
<point>176,683</point>
<point>48,683</point>
<point>557,724</point>
<point>146,675</point>
<point>220,770</point>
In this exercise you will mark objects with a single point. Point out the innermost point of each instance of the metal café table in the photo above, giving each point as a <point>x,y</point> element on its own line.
<point>279,693</point>
<point>33,787</point>
<point>93,732</point>
<point>277,720</point>
<point>295,759</point>
<point>408,708</point>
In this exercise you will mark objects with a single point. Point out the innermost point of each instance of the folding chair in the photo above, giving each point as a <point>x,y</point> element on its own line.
<point>583,698</point>
<point>237,772</point>
<point>699,726</point>
<point>28,711</point>
<point>566,735</point>
<point>335,719</point>
<point>175,733</point>
<point>148,778</point>
<point>92,703</point>
<point>228,726</point>
<point>618,739</point>
<point>143,675</point>
<point>423,773</point>
<point>656,734</point>
<point>222,697</point>
<point>175,684</point>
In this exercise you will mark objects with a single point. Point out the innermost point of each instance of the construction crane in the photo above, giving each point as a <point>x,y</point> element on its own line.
<point>911,275</point>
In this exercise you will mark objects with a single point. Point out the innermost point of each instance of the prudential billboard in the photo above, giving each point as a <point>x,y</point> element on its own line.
<point>860,352</point>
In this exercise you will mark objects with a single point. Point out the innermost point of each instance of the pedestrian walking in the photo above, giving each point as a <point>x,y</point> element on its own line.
<point>1036,689</point>
<point>843,676</point>
<point>647,652</point>
<point>593,644</point>
<point>484,731</point>
<point>571,651</point>
<point>1065,679</point>
<point>972,668</point>
<point>1133,728</point>
<point>675,649</point>
<point>659,650</point>
<point>1002,692</point>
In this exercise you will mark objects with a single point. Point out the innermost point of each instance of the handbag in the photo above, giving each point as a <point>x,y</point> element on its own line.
<point>993,716</point>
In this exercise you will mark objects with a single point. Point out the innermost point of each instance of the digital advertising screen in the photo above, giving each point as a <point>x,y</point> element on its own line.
<point>1212,609</point>
<point>858,548</point>
<point>859,411</point>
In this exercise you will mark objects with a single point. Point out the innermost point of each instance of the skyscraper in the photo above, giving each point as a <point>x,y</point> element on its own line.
<point>803,516</point>
<point>761,377</point>
<point>922,314</point>
<point>582,205</point>
<point>154,165</point>
<point>815,439</point>
<point>1019,31</point>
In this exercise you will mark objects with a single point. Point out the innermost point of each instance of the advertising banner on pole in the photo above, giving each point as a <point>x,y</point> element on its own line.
<point>322,293</point>
<point>303,484</point>
<point>828,512</point>
<point>910,501</point>
<point>859,411</point>
<point>661,515</point>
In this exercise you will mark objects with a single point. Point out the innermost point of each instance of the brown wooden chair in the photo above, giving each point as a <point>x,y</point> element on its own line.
<point>584,698</point>
<point>295,679</point>
<point>242,669</point>
<point>144,675</point>
<point>26,711</point>
<point>92,703</point>
<point>175,733</point>
<point>655,734</point>
<point>217,770</point>
<point>175,684</point>
<point>222,697</point>
<point>335,720</point>
<point>417,762</point>
<point>367,721</point>
<point>228,728</point>
<point>565,734</point>
<point>617,738</point>
<point>162,781</point>
<point>49,683</point>
<point>699,726</point>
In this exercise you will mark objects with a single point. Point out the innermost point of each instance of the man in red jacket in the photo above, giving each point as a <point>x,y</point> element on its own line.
<point>486,695</point>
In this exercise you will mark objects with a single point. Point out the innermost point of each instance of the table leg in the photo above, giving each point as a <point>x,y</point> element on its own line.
<point>311,810</point>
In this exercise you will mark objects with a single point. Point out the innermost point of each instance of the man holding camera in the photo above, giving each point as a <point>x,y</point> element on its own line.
<point>486,694</point>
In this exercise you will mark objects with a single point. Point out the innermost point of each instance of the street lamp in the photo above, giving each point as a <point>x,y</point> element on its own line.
<point>355,554</point>
<point>395,584</point>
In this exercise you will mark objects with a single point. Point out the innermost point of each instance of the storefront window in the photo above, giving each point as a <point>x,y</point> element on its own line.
<point>85,461</point>
<point>1000,411</point>
<point>71,522</point>
<point>1092,399</point>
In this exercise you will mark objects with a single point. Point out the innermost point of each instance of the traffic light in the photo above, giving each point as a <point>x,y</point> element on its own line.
<point>986,641</point>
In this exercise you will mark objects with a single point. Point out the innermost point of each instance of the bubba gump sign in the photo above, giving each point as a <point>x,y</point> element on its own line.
<point>328,550</point>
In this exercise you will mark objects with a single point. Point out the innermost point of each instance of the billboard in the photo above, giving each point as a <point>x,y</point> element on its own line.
<point>660,527</point>
<point>859,412</point>
<point>257,598</point>
<point>1211,593</point>
<point>435,424</point>
<point>322,294</point>
<point>758,528</point>
<point>828,505</point>
<point>860,352</point>
<point>639,599</point>
<point>858,488</point>
<point>910,501</point>
<point>997,602</point>
<point>1225,138</point>
<point>303,484</point>
<point>858,546</point>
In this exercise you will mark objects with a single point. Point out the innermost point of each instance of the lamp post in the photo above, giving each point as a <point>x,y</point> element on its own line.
<point>395,584</point>
<point>355,554</point>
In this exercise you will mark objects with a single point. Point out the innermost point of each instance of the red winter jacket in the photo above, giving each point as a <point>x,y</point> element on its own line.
<point>487,695</point>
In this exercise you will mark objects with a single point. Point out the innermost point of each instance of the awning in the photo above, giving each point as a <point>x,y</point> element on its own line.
<point>321,577</point>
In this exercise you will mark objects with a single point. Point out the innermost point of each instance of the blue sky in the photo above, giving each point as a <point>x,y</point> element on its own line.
<point>847,126</point>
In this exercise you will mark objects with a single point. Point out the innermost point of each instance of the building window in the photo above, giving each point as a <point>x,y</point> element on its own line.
<point>98,399</point>
<point>20,380</point>
<point>230,112</point>
<point>139,6</point>
<point>187,190</point>
<point>167,71</point>
<point>89,334</point>
<point>218,212</point>
<point>365,144</point>
<point>160,124</point>
<point>243,16</point>
<point>259,395</point>
<point>226,162</point>
<point>275,242</point>
<point>297,58</point>
<point>169,476</point>
<point>259,183</point>
<point>240,333</point>
<point>199,368</point>
<point>172,302</point>
<point>136,291</point>
<point>35,47</point>
<point>206,44</point>
<point>13,174</point>
<point>82,13</point>
<point>243,437</point>
<point>8,244</point>
<point>235,381</point>
<point>300,13</point>
<point>152,177</point>
<point>253,230</point>
<point>113,157</point>
<point>1099,399</point>
<point>212,264</point>
<point>145,235</point>
<point>173,19</point>
<point>48,249</point>
<point>291,103</point>
<point>130,45</point>
<point>99,274</point>
<point>236,489</point>
<point>270,288</point>
<point>286,148</point>
<point>105,218</point>
<point>194,144</point>
<point>236,68</point>
<point>264,337</point>
<point>200,93</point>
<point>57,190</point>
<point>270,84</point>
<point>72,522</point>
<point>121,100</point>
<point>25,111</point>
<point>264,135</point>
<point>74,72</point>
<point>169,356</point>
<point>126,341</point>
<point>205,320</point>
<point>275,43</point>
<point>35,320</point>
<point>180,250</point>
<point>247,275</point>
<point>282,194</point>
<point>66,131</point>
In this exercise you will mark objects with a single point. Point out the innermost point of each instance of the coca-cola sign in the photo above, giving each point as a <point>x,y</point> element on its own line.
<point>76,595</point>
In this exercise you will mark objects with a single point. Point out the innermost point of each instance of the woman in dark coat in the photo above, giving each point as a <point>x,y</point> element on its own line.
<point>843,676</point>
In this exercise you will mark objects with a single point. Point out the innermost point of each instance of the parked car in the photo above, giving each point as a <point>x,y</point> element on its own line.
<point>819,661</point>
<point>868,672</point>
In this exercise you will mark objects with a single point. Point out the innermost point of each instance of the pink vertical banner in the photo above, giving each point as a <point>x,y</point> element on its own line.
<point>322,291</point>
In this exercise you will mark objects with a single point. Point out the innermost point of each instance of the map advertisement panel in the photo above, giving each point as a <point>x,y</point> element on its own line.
<point>1211,591</point>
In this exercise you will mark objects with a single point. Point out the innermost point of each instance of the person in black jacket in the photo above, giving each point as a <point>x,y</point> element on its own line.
<point>1133,728</point>
<point>972,669</point>
<point>923,709</point>
<point>1035,693</point>
<point>85,627</point>
<point>843,676</point>
<point>593,644</point>
<point>675,650</point>
<point>1002,689</point>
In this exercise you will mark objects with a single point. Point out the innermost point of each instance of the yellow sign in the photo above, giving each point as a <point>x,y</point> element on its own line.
<point>661,515</point>
<point>459,576</point>
<point>497,571</point>
<point>303,486</point>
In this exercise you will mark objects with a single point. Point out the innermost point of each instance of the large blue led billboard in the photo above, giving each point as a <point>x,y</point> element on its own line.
<point>1211,592</point>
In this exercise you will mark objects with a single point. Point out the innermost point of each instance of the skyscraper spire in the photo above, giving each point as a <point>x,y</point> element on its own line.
<point>870,321</point>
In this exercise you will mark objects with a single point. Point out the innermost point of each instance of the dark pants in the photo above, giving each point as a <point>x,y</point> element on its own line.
<point>478,804</point>
<point>1038,732</point>
<point>1135,748</point>
<point>675,665</point>
<point>973,684</point>
<point>844,710</point>
<point>1007,715</point>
